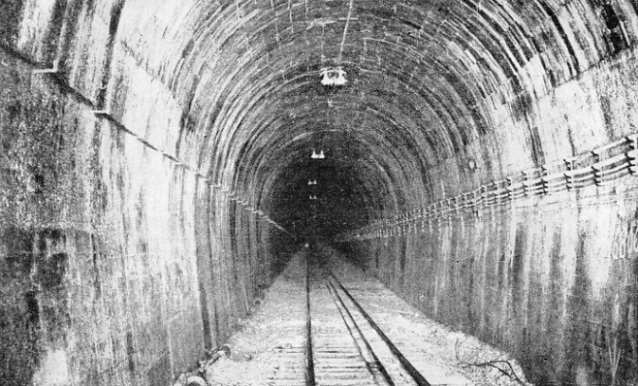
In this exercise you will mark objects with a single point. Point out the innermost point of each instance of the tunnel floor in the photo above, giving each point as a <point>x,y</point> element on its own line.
<point>326,322</point>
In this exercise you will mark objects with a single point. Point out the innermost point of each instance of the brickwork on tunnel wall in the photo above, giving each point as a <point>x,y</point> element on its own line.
<point>552,276</point>
<point>533,278</point>
<point>576,117</point>
<point>138,142</point>
<point>116,261</point>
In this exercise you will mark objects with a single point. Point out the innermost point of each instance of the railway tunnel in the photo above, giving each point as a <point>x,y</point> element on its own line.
<point>161,162</point>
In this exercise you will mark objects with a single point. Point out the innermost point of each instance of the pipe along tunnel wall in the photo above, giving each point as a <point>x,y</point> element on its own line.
<point>153,162</point>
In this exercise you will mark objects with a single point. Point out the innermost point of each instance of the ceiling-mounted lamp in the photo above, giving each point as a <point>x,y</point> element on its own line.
<point>313,197</point>
<point>316,155</point>
<point>333,76</point>
<point>312,182</point>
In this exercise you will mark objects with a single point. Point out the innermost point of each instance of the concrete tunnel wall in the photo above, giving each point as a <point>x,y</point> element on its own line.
<point>145,150</point>
<point>120,263</point>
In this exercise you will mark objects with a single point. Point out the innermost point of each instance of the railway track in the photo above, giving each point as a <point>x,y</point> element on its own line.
<point>344,346</point>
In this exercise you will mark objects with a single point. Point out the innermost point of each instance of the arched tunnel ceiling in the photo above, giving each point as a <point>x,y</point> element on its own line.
<point>419,74</point>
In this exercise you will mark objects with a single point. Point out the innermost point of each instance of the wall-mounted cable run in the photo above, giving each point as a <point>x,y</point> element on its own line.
<point>595,168</point>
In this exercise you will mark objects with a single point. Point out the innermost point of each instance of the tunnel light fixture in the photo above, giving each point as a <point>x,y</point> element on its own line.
<point>312,182</point>
<point>333,76</point>
<point>313,197</point>
<point>316,155</point>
